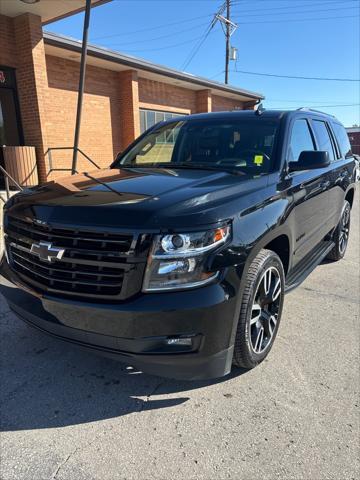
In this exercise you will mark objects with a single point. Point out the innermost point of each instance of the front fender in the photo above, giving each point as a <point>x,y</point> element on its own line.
<point>255,228</point>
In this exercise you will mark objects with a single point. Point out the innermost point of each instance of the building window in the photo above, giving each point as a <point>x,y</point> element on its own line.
<point>148,118</point>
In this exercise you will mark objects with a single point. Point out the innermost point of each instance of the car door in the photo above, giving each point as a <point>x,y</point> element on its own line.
<point>331,176</point>
<point>309,190</point>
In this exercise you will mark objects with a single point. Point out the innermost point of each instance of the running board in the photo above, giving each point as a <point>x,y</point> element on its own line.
<point>307,265</point>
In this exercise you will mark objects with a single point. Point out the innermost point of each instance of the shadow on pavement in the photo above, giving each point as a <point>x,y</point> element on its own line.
<point>47,383</point>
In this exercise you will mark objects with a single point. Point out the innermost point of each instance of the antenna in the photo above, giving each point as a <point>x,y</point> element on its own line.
<point>260,110</point>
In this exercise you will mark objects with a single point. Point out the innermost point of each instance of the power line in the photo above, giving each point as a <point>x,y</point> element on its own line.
<point>186,42</point>
<point>198,26</point>
<point>294,12</point>
<point>217,17</point>
<point>324,106</point>
<point>164,25</point>
<point>333,106</point>
<point>197,47</point>
<point>292,7</point>
<point>298,77</point>
<point>217,75</point>
<point>161,37</point>
<point>302,101</point>
<point>298,20</point>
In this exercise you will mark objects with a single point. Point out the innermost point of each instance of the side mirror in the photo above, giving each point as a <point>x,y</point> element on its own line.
<point>310,160</point>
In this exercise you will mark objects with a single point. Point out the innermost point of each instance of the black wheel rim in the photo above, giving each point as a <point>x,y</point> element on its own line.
<point>265,310</point>
<point>344,230</point>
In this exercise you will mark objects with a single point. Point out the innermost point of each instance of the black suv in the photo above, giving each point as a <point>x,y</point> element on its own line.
<point>176,259</point>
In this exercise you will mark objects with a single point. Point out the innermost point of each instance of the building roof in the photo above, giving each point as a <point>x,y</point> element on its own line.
<point>49,11</point>
<point>353,129</point>
<point>66,47</point>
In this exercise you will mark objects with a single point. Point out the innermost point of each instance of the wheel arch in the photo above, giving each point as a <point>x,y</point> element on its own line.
<point>350,196</point>
<point>280,242</point>
<point>274,240</point>
<point>281,246</point>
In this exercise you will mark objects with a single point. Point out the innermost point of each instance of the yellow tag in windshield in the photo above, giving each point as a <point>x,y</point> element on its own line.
<point>258,160</point>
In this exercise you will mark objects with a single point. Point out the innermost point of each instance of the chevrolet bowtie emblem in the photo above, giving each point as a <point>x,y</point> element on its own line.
<point>46,252</point>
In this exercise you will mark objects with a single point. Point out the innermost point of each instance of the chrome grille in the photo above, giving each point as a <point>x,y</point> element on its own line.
<point>95,264</point>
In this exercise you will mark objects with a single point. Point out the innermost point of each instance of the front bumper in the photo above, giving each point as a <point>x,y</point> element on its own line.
<point>137,331</point>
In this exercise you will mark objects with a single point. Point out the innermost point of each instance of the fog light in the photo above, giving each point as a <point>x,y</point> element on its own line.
<point>185,341</point>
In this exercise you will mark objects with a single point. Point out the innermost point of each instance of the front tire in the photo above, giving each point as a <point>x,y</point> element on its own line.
<point>260,311</point>
<point>341,234</point>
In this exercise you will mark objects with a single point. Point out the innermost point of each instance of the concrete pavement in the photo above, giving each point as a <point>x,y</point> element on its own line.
<point>70,415</point>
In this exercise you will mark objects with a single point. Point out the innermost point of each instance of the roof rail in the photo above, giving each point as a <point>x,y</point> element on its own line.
<point>313,110</point>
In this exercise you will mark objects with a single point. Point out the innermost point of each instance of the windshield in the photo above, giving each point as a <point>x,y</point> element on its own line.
<point>245,145</point>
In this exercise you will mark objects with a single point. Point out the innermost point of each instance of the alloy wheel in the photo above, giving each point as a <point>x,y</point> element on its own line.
<point>344,230</point>
<point>265,310</point>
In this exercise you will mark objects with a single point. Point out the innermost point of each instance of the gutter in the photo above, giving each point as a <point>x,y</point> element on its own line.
<point>67,43</point>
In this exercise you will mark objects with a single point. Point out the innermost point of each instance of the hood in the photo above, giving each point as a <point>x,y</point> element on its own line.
<point>138,197</point>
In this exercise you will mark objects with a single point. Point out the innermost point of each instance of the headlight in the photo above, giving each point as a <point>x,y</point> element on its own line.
<point>177,260</point>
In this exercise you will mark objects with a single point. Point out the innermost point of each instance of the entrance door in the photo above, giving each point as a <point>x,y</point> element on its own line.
<point>10,130</point>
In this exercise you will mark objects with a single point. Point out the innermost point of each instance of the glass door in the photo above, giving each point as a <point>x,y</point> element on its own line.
<point>9,129</point>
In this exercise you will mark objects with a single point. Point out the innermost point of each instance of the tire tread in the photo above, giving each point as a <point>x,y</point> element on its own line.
<point>241,357</point>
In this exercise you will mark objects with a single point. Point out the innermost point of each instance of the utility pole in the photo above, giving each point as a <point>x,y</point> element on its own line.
<point>227,36</point>
<point>228,28</point>
<point>81,85</point>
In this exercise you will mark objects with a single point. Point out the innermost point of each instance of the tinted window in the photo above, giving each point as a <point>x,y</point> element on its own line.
<point>301,140</point>
<point>246,145</point>
<point>343,140</point>
<point>323,138</point>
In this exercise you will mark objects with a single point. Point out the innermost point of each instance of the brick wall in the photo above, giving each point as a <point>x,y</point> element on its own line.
<point>220,104</point>
<point>203,101</point>
<point>162,96</point>
<point>31,79</point>
<point>128,111</point>
<point>101,126</point>
<point>7,42</point>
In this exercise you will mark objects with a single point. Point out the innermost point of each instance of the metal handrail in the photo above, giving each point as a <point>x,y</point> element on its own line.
<point>8,177</point>
<point>49,154</point>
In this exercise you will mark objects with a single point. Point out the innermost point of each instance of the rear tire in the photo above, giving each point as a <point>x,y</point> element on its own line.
<point>260,311</point>
<point>341,234</point>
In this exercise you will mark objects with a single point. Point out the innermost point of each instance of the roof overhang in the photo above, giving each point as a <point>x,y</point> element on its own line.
<point>65,47</point>
<point>48,10</point>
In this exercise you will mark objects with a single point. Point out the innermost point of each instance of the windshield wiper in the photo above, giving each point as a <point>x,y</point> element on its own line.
<point>193,166</point>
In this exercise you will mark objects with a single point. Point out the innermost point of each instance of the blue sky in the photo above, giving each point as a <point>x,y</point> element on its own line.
<point>311,38</point>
